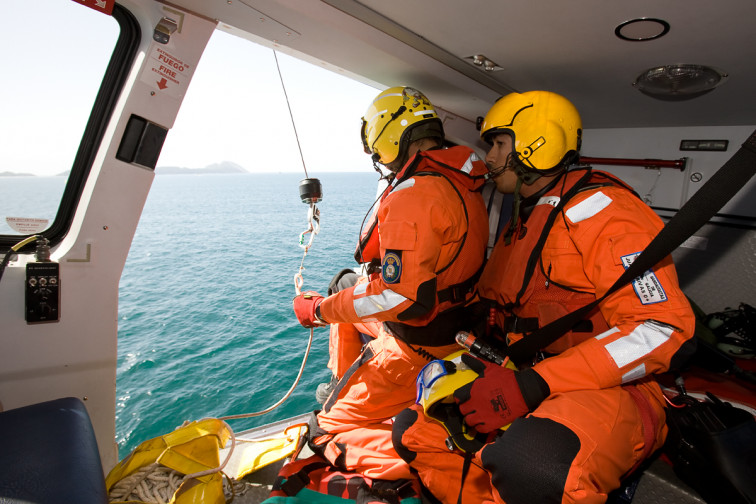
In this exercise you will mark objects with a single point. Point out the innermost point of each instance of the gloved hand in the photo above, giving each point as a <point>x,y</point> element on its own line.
<point>305,305</point>
<point>498,395</point>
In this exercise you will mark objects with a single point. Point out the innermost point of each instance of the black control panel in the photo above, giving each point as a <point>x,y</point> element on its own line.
<point>42,292</point>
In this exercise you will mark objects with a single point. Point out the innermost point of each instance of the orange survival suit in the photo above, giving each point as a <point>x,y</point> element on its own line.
<point>432,229</point>
<point>605,412</point>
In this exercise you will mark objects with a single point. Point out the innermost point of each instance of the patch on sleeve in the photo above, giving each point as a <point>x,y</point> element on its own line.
<point>647,287</point>
<point>391,268</point>
<point>589,207</point>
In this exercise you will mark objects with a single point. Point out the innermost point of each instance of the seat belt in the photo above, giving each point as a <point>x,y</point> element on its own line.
<point>696,212</point>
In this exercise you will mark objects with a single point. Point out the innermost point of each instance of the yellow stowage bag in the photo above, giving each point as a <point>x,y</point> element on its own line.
<point>189,449</point>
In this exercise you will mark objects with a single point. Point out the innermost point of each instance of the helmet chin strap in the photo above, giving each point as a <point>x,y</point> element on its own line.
<point>515,212</point>
<point>382,176</point>
<point>495,172</point>
<point>527,175</point>
<point>524,176</point>
<point>376,158</point>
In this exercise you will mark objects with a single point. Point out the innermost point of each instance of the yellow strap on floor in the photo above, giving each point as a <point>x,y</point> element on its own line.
<point>253,455</point>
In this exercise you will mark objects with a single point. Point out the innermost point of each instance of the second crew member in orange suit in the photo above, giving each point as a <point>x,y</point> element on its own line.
<point>590,411</point>
<point>429,238</point>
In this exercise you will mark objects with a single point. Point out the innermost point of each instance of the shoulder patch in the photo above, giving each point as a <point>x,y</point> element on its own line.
<point>589,207</point>
<point>391,267</point>
<point>647,287</point>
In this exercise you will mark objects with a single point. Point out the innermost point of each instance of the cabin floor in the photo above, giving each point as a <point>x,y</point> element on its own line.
<point>658,485</point>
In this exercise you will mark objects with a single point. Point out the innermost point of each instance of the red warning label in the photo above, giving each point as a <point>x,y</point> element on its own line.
<point>168,72</point>
<point>105,6</point>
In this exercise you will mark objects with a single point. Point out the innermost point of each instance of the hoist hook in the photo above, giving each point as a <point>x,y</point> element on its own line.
<point>310,191</point>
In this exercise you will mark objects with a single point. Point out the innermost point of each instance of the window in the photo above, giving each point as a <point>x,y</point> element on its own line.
<point>54,55</point>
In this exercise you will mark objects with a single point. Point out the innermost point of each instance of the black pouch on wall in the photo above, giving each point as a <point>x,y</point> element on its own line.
<point>712,445</point>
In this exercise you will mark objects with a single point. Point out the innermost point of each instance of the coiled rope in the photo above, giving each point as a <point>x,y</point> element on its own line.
<point>157,484</point>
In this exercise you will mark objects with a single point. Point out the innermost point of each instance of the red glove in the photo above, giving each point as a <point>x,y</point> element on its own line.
<point>305,306</point>
<point>498,395</point>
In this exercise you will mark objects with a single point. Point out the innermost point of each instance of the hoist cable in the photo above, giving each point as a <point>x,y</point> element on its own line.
<point>313,220</point>
<point>291,115</point>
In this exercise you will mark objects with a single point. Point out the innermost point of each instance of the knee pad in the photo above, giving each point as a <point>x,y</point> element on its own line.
<point>402,422</point>
<point>342,280</point>
<point>531,460</point>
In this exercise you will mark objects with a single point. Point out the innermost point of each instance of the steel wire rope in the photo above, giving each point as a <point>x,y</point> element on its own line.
<point>313,217</point>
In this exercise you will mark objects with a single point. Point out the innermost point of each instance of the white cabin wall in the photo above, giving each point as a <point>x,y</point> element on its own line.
<point>461,131</point>
<point>673,188</point>
<point>717,266</point>
<point>77,356</point>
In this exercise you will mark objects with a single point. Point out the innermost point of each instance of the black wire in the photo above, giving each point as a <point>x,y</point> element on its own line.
<point>367,214</point>
<point>5,262</point>
<point>396,114</point>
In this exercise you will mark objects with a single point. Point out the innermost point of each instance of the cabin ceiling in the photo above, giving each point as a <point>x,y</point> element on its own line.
<point>567,47</point>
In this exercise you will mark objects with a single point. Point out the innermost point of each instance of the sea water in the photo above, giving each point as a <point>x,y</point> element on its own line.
<point>206,326</point>
<point>205,320</point>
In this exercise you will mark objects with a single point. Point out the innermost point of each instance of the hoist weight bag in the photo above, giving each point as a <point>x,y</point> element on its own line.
<point>313,480</point>
<point>712,446</point>
<point>164,464</point>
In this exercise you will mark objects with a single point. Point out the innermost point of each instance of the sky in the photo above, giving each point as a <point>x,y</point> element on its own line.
<point>234,110</point>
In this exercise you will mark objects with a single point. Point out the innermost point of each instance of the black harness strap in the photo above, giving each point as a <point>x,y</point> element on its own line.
<point>704,204</point>
<point>464,207</point>
<point>294,484</point>
<point>456,293</point>
<point>536,254</point>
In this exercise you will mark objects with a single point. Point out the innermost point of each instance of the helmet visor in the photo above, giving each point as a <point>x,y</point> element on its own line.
<point>430,373</point>
<point>364,137</point>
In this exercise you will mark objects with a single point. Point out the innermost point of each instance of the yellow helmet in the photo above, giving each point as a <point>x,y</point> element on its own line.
<point>397,117</point>
<point>436,384</point>
<point>545,127</point>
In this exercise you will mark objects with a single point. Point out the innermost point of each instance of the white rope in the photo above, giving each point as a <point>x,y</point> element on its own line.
<point>286,396</point>
<point>152,484</point>
<point>313,218</point>
<point>156,484</point>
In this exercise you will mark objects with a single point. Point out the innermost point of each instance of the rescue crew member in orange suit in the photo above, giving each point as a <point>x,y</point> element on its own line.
<point>429,238</point>
<point>589,410</point>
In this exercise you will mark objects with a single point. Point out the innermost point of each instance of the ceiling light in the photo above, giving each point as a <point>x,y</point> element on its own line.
<point>481,60</point>
<point>679,82</point>
<point>642,29</point>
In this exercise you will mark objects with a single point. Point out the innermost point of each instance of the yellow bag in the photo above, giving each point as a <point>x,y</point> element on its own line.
<point>191,450</point>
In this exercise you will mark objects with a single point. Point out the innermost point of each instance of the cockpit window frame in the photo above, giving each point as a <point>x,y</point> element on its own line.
<point>114,80</point>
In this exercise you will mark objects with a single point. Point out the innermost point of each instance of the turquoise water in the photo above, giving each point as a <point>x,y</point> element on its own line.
<point>206,327</point>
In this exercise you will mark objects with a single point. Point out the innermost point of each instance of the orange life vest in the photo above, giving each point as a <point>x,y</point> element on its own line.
<point>457,276</point>
<point>517,281</point>
<point>449,163</point>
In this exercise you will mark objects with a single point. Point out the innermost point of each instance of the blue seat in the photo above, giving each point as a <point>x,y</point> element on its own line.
<point>48,454</point>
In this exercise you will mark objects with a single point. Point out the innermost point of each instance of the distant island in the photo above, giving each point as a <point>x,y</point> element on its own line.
<point>223,167</point>
<point>13,174</point>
